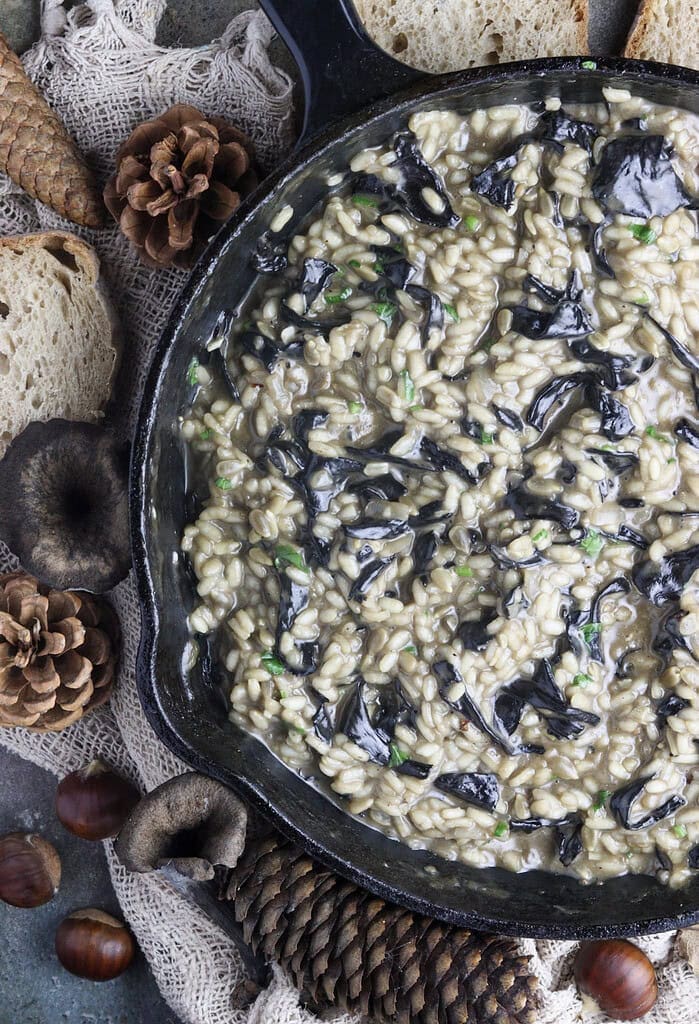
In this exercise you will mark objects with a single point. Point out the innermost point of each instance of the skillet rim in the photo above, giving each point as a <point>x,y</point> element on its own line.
<point>146,676</point>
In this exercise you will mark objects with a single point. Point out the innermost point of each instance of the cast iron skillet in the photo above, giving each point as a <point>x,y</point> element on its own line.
<point>342,73</point>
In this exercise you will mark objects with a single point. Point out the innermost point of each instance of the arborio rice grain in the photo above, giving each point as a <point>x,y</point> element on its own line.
<point>451,534</point>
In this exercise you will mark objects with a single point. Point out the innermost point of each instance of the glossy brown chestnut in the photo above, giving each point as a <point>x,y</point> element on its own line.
<point>30,870</point>
<point>94,945</point>
<point>618,976</point>
<point>94,802</point>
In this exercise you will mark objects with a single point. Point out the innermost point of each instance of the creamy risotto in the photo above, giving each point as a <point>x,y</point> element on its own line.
<point>450,530</point>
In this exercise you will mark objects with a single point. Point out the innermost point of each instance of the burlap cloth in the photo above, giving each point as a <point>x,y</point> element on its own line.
<point>98,65</point>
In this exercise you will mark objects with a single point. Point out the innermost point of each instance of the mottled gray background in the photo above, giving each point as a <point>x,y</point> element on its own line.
<point>33,987</point>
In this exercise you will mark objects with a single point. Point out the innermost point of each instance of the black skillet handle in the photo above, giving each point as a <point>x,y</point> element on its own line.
<point>342,70</point>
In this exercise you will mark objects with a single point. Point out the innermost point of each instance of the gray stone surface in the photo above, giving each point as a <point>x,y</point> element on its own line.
<point>34,988</point>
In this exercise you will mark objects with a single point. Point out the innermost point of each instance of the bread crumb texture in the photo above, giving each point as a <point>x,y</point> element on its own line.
<point>449,35</point>
<point>58,353</point>
<point>666,30</point>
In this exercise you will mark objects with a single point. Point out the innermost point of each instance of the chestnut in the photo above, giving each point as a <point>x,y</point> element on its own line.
<point>30,870</point>
<point>94,802</point>
<point>94,945</point>
<point>618,976</point>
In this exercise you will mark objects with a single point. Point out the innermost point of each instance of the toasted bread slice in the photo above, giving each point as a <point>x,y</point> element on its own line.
<point>666,30</point>
<point>448,35</point>
<point>58,340</point>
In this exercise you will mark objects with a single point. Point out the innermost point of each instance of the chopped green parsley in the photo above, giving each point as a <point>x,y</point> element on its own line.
<point>581,679</point>
<point>285,554</point>
<point>410,649</point>
<point>273,665</point>
<point>223,483</point>
<point>643,233</point>
<point>193,372</point>
<point>540,535</point>
<point>601,800</point>
<point>407,386</point>
<point>364,201</point>
<point>463,570</point>
<point>355,264</point>
<point>653,432</point>
<point>332,298</point>
<point>205,435</point>
<point>451,312</point>
<point>590,630</point>
<point>486,438</point>
<point>500,829</point>
<point>592,543</point>
<point>355,406</point>
<point>472,223</point>
<point>385,311</point>
<point>589,65</point>
<point>398,757</point>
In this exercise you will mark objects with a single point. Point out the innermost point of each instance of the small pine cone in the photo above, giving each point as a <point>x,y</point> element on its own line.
<point>350,950</point>
<point>179,177</point>
<point>36,151</point>
<point>58,653</point>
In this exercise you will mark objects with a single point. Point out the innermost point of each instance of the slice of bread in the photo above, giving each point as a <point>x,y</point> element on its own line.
<point>449,35</point>
<point>666,30</point>
<point>58,337</point>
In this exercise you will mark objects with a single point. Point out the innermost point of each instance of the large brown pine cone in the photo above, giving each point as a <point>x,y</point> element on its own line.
<point>58,653</point>
<point>350,950</point>
<point>179,177</point>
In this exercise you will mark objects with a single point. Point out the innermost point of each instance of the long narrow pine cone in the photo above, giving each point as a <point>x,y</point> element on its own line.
<point>36,151</point>
<point>58,653</point>
<point>350,950</point>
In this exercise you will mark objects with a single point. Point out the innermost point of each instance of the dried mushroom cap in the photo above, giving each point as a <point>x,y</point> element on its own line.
<point>191,822</point>
<point>63,505</point>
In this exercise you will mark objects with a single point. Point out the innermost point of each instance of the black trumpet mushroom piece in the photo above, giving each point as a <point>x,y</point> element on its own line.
<point>568,833</point>
<point>394,708</point>
<point>669,706</point>
<point>618,462</point>
<point>377,529</point>
<point>584,625</point>
<point>687,432</point>
<point>635,176</point>
<point>384,487</point>
<point>444,461</point>
<point>269,256</point>
<point>621,805</point>
<point>257,344</point>
<point>509,419</point>
<point>424,550</point>
<point>354,722</point>
<point>370,572</point>
<point>679,351</point>
<point>324,722</point>
<point>64,507</point>
<point>479,789</point>
<point>568,319</point>
<point>406,195</point>
<point>415,769</point>
<point>525,505</point>
<point>613,369</point>
<point>447,674</point>
<point>668,637</point>
<point>473,633</point>
<point>293,598</point>
<point>665,580</point>
<point>543,694</point>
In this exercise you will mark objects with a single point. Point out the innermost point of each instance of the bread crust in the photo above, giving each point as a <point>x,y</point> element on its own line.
<point>645,42</point>
<point>79,258</point>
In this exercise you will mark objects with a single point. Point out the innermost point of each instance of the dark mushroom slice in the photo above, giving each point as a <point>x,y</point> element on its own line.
<point>394,708</point>
<point>584,625</point>
<point>558,390</point>
<point>668,637</point>
<point>433,306</point>
<point>444,461</point>
<point>384,487</point>
<point>406,194</point>
<point>324,722</point>
<point>370,572</point>
<point>63,505</point>
<point>415,769</point>
<point>679,351</point>
<point>599,253</point>
<point>568,833</point>
<point>633,537</point>
<point>669,706</point>
<point>379,451</point>
<point>293,598</point>
<point>257,344</point>
<point>503,560</point>
<point>424,550</point>
<point>447,675</point>
<point>377,529</point>
<point>354,722</point>
<point>269,256</point>
<point>546,292</point>
<point>568,320</point>
<point>567,472</point>
<point>616,422</point>
<point>693,857</point>
<point>316,275</point>
<point>687,432</point>
<point>473,633</point>
<point>544,695</point>
<point>635,176</point>
<point>618,462</point>
<point>621,805</point>
<point>525,505</point>
<point>393,266</point>
<point>479,789</point>
<point>508,418</point>
<point>665,580</point>
<point>614,369</point>
<point>515,602</point>
<point>557,126</point>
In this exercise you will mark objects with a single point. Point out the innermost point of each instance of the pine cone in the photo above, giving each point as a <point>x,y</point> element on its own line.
<point>58,652</point>
<point>37,152</point>
<point>179,177</point>
<point>350,950</point>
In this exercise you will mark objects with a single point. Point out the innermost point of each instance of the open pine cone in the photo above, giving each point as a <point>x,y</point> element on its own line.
<point>179,177</point>
<point>58,652</point>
